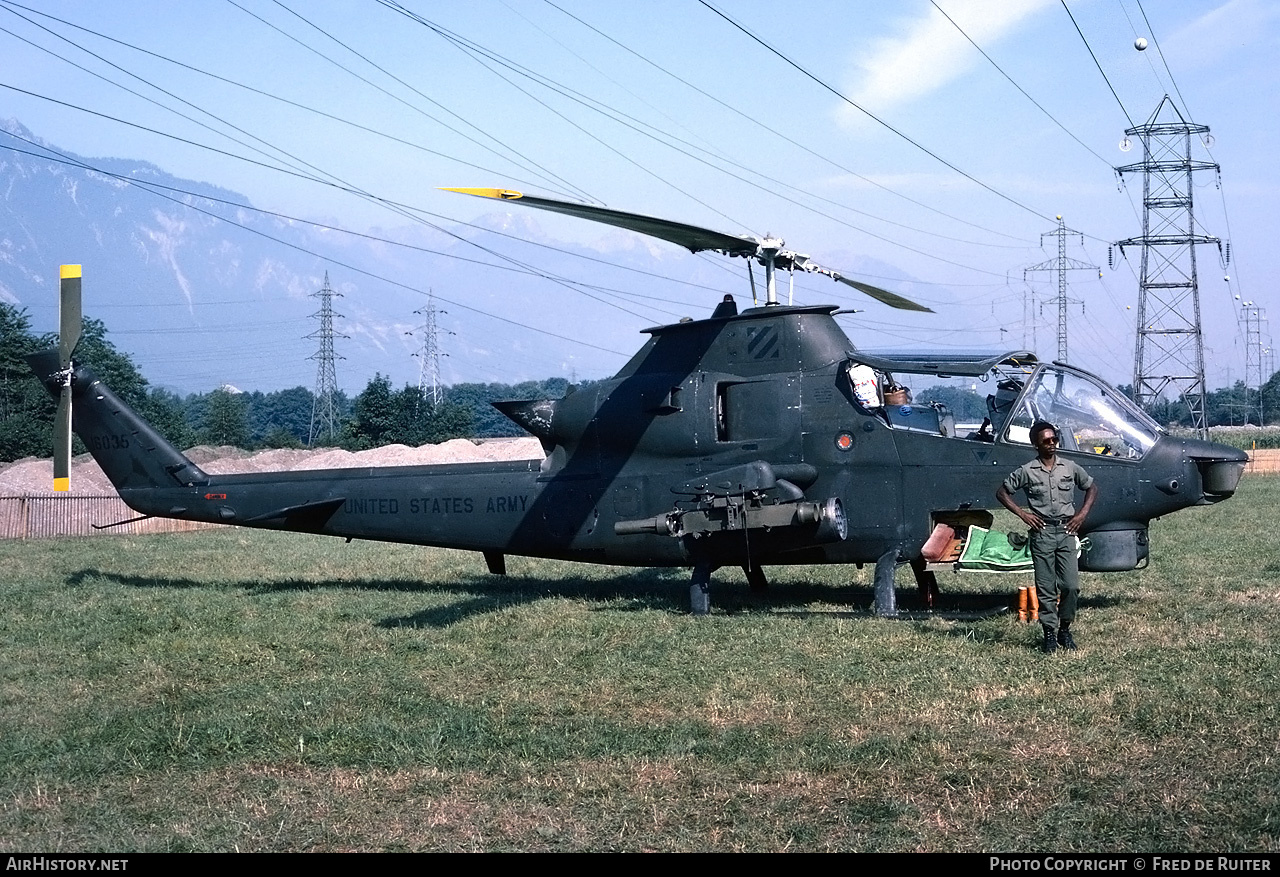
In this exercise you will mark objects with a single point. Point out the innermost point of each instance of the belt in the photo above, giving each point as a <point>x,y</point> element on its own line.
<point>1055,522</point>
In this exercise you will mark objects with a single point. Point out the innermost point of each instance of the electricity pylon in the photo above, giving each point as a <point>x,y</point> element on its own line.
<point>429,353</point>
<point>1169,352</point>
<point>324,406</point>
<point>1253,319</point>
<point>1062,265</point>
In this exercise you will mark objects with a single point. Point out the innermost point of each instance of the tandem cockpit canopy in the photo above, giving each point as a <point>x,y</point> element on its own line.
<point>880,383</point>
<point>1092,417</point>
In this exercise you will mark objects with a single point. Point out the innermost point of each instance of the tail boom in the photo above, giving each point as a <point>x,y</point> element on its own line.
<point>489,507</point>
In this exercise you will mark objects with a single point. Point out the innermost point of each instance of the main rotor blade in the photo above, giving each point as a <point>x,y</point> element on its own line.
<point>68,313</point>
<point>62,442</point>
<point>693,237</point>
<point>892,299</point>
<point>690,236</point>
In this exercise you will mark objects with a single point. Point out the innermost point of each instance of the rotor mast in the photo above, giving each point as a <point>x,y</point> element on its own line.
<point>768,255</point>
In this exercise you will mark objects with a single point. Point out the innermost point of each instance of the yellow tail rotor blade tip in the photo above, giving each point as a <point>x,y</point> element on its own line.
<point>69,271</point>
<point>500,194</point>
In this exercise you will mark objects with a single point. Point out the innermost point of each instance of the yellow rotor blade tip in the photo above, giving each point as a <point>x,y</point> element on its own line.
<point>62,484</point>
<point>500,194</point>
<point>69,271</point>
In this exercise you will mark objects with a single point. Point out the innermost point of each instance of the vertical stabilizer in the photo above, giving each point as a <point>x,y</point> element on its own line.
<point>537,416</point>
<point>131,453</point>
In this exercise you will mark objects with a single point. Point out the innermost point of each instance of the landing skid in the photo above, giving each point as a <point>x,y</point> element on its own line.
<point>885,604</point>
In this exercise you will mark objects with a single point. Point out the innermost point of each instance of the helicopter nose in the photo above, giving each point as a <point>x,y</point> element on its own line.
<point>1220,467</point>
<point>1220,477</point>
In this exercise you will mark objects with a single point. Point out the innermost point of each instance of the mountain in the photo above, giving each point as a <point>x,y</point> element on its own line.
<point>202,290</point>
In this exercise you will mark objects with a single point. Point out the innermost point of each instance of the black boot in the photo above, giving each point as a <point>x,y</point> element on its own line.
<point>1064,637</point>
<point>1050,640</point>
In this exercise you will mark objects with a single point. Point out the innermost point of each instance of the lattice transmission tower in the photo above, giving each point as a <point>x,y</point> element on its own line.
<point>1268,357</point>
<point>1062,264</point>
<point>1253,320</point>
<point>429,353</point>
<point>1169,353</point>
<point>324,407</point>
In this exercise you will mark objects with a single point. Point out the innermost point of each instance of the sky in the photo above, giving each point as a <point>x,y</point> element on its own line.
<point>924,147</point>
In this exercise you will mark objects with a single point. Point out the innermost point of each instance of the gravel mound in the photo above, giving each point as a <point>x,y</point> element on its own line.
<point>31,476</point>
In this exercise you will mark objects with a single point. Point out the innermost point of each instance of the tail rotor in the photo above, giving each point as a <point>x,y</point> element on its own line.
<point>68,336</point>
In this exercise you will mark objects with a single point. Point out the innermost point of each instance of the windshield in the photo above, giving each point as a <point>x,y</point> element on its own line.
<point>1090,416</point>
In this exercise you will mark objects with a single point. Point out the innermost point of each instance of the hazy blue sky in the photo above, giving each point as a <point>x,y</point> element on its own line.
<point>668,109</point>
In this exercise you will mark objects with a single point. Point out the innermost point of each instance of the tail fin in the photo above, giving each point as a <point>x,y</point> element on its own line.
<point>131,453</point>
<point>537,416</point>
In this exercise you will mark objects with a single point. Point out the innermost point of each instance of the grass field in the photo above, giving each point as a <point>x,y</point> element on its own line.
<point>257,691</point>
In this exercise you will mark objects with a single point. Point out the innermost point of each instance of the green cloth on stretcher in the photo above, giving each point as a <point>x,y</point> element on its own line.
<point>990,551</point>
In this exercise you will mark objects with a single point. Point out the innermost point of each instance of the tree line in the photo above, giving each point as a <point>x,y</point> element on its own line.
<point>380,414</point>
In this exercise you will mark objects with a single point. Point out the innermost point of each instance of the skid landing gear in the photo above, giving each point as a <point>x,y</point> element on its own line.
<point>926,581</point>
<point>700,590</point>
<point>700,586</point>
<point>886,605</point>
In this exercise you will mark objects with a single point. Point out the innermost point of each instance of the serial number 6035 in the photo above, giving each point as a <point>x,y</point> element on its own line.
<point>106,442</point>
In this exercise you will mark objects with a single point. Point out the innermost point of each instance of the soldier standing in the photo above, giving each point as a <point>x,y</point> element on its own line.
<point>1050,485</point>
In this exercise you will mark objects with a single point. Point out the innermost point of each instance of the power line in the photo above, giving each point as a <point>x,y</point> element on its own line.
<point>872,116</point>
<point>469,46</point>
<point>151,185</point>
<point>286,101</point>
<point>150,100</point>
<point>1017,86</point>
<point>756,121</point>
<point>383,90</point>
<point>470,49</point>
<point>1097,64</point>
<point>1151,32</point>
<point>404,210</point>
<point>891,241</point>
<point>1206,142</point>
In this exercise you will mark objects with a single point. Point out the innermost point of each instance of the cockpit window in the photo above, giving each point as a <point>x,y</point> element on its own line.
<point>879,393</point>
<point>1090,416</point>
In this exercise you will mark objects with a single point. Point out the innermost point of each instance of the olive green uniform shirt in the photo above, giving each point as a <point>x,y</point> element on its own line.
<point>1050,494</point>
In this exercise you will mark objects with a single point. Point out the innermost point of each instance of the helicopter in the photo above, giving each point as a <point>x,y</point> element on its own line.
<point>753,438</point>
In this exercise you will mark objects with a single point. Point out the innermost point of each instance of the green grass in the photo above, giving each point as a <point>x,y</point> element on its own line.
<point>260,691</point>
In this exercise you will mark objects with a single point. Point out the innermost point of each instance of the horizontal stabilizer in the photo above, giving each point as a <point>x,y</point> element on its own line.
<point>305,516</point>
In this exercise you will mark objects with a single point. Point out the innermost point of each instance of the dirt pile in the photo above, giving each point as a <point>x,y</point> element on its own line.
<point>31,476</point>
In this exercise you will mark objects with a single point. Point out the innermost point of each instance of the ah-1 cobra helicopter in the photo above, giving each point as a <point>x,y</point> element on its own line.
<point>754,438</point>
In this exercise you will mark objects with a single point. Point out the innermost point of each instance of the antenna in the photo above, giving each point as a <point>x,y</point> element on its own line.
<point>1169,352</point>
<point>324,406</point>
